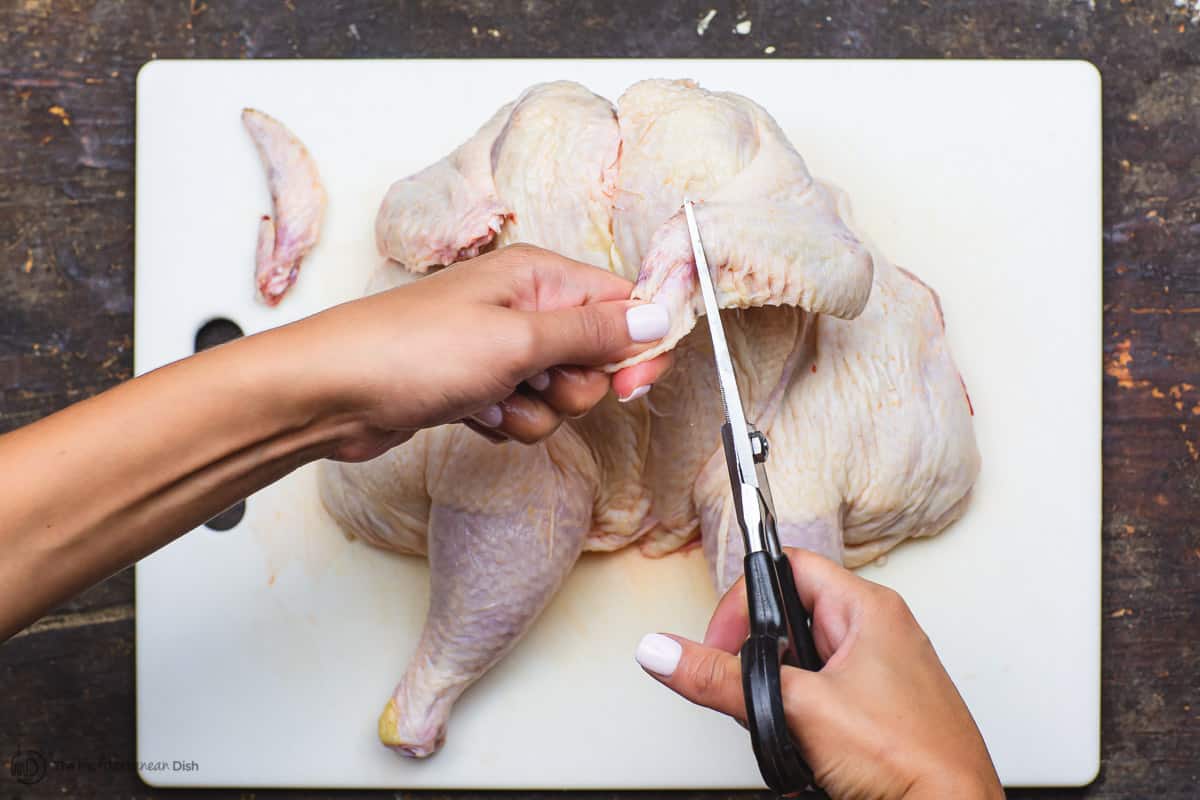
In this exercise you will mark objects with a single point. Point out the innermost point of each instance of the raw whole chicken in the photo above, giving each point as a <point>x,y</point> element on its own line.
<point>841,357</point>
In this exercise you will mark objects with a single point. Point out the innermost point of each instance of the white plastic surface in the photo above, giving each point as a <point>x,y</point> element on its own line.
<point>265,653</point>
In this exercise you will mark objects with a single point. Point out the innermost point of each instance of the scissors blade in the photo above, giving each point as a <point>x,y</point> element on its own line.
<point>731,398</point>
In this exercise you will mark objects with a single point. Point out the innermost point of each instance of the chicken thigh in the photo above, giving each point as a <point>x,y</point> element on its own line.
<point>841,358</point>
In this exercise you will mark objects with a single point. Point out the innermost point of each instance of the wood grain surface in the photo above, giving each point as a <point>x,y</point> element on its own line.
<point>67,72</point>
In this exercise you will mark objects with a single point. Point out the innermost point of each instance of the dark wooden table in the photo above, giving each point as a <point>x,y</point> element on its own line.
<point>67,70</point>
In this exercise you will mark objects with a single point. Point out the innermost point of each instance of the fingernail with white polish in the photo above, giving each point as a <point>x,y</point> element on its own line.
<point>648,323</point>
<point>491,416</point>
<point>659,654</point>
<point>635,394</point>
<point>539,382</point>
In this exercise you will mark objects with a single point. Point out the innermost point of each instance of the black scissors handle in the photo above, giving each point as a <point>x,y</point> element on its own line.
<point>779,634</point>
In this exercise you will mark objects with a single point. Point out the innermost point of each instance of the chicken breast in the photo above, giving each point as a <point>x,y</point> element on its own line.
<point>840,355</point>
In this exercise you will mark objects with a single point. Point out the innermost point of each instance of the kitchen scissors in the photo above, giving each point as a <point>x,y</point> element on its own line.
<point>779,623</point>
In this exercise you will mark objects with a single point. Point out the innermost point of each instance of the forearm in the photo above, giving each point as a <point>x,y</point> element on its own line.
<point>95,487</point>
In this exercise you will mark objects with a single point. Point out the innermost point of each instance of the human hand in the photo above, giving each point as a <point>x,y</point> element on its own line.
<point>504,342</point>
<point>882,719</point>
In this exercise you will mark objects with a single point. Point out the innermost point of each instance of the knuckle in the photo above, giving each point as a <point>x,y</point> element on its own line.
<point>575,406</point>
<point>795,703</point>
<point>522,259</point>
<point>535,435</point>
<point>588,325</point>
<point>513,263</point>
<point>527,344</point>
<point>532,421</point>
<point>578,391</point>
<point>890,603</point>
<point>523,250</point>
<point>598,327</point>
<point>524,436</point>
<point>707,676</point>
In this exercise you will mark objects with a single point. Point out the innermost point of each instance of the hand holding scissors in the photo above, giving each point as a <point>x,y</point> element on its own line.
<point>881,718</point>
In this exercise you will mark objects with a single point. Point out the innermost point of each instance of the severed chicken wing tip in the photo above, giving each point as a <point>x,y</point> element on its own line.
<point>298,203</point>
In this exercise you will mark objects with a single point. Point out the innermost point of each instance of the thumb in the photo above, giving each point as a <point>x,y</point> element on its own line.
<point>597,333</point>
<point>712,678</point>
<point>704,675</point>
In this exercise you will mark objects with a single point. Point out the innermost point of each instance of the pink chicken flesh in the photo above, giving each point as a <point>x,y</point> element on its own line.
<point>841,357</point>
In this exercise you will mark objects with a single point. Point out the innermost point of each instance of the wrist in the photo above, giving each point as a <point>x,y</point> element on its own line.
<point>286,392</point>
<point>966,786</point>
<point>318,394</point>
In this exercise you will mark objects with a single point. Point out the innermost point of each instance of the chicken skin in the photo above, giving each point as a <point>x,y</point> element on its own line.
<point>298,203</point>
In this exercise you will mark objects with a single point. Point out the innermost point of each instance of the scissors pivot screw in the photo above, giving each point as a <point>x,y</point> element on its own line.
<point>759,446</point>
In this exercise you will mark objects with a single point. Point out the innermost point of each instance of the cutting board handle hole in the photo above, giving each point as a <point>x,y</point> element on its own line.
<point>218,330</point>
<point>229,518</point>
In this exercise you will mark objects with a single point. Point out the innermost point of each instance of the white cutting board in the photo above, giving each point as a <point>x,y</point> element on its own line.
<point>265,653</point>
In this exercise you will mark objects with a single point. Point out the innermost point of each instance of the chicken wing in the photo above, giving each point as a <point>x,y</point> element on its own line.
<point>298,200</point>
